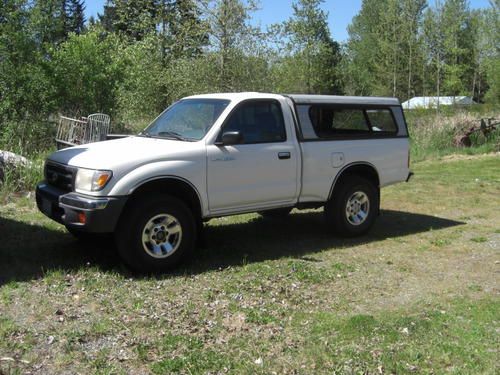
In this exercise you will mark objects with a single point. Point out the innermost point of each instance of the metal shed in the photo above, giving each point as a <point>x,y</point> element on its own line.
<point>432,101</point>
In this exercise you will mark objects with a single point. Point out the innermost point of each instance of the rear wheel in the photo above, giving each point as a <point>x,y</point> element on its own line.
<point>156,233</point>
<point>353,207</point>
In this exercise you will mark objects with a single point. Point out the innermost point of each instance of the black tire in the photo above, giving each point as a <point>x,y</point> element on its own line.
<point>277,213</point>
<point>134,223</point>
<point>335,210</point>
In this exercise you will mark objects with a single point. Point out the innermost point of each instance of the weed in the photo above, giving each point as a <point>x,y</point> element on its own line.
<point>480,239</point>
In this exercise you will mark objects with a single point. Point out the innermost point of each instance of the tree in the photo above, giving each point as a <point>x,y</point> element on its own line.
<point>134,19</point>
<point>489,53</point>
<point>230,36</point>
<point>75,19</point>
<point>311,63</point>
<point>85,73</point>
<point>183,31</point>
<point>457,45</point>
<point>434,40</point>
<point>108,17</point>
<point>365,66</point>
<point>24,91</point>
<point>49,22</point>
<point>412,12</point>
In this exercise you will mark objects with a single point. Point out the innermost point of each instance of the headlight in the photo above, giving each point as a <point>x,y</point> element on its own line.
<point>91,180</point>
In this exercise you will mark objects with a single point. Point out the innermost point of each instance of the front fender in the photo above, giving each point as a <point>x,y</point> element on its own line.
<point>190,171</point>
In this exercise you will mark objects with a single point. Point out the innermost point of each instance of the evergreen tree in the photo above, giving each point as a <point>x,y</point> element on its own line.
<point>49,19</point>
<point>108,18</point>
<point>75,19</point>
<point>135,19</point>
<point>183,31</point>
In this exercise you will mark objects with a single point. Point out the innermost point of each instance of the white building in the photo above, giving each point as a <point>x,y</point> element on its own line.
<point>432,101</point>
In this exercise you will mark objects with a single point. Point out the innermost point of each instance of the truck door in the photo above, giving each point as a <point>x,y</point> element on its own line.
<point>261,170</point>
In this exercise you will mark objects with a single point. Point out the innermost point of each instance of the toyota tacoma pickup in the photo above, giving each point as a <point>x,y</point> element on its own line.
<point>216,155</point>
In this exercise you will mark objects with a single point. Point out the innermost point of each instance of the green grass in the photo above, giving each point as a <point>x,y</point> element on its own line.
<point>480,239</point>
<point>456,337</point>
<point>416,295</point>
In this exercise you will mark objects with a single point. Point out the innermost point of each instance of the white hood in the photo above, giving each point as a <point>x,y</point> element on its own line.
<point>123,154</point>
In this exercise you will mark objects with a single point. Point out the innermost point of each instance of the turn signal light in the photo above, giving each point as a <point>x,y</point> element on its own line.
<point>82,218</point>
<point>101,180</point>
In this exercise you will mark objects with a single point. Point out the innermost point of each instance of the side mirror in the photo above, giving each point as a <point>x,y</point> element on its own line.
<point>231,138</point>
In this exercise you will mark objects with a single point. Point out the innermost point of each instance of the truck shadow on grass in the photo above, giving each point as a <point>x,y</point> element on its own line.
<point>29,251</point>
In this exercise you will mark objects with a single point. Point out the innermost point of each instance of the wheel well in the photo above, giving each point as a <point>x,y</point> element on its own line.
<point>174,187</point>
<point>362,170</point>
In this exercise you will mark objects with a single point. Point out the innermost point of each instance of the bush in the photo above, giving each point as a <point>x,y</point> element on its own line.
<point>27,137</point>
<point>86,72</point>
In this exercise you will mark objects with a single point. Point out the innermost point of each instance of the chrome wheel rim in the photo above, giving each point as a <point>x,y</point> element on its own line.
<point>357,208</point>
<point>161,236</point>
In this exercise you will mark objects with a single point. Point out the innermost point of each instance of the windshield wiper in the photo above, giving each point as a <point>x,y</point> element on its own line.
<point>144,134</point>
<point>172,135</point>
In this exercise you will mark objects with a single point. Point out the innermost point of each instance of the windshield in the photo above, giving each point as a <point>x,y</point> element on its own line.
<point>187,120</point>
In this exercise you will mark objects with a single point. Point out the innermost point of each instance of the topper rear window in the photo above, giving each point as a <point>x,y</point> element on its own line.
<point>323,121</point>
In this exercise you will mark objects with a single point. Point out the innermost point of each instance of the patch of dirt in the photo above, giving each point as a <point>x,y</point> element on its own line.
<point>459,157</point>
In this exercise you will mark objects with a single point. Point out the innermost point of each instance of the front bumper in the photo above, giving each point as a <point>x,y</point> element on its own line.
<point>88,214</point>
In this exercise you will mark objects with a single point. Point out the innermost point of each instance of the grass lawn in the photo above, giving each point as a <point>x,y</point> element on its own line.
<point>419,294</point>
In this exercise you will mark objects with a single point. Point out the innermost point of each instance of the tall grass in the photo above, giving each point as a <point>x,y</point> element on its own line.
<point>27,137</point>
<point>433,134</point>
<point>33,139</point>
<point>22,178</point>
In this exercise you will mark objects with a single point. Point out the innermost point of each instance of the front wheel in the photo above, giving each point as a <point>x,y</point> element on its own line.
<point>353,207</point>
<point>156,233</point>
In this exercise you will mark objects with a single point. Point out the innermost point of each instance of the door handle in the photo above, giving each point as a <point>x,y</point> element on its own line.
<point>283,155</point>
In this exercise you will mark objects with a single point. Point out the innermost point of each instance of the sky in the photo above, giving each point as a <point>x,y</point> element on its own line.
<point>340,12</point>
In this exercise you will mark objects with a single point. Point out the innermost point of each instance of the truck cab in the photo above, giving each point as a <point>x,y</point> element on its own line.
<point>215,155</point>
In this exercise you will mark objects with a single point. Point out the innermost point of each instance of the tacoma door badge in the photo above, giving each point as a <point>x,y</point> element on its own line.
<point>223,158</point>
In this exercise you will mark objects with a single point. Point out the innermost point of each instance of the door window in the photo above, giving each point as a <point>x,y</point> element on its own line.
<point>257,121</point>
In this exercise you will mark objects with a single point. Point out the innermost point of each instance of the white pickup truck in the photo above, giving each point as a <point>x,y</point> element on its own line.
<point>215,155</point>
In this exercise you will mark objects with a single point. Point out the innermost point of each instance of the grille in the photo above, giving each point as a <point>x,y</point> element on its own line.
<point>60,176</point>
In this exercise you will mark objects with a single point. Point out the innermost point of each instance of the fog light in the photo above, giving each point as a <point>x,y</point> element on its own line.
<point>82,219</point>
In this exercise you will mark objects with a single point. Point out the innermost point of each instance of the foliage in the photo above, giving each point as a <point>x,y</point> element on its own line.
<point>312,57</point>
<point>405,48</point>
<point>85,72</point>
<point>138,57</point>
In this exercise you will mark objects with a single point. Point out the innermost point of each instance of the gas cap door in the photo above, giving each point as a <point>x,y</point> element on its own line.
<point>338,159</point>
